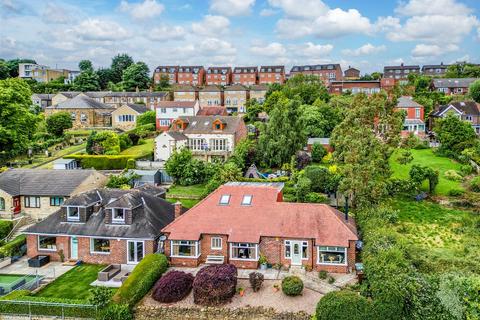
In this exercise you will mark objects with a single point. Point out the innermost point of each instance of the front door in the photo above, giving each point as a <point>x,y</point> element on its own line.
<point>135,251</point>
<point>74,248</point>
<point>296,248</point>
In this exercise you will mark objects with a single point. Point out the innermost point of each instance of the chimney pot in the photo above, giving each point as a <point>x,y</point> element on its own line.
<point>177,209</point>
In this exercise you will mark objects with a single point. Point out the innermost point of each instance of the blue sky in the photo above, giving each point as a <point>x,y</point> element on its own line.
<point>366,34</point>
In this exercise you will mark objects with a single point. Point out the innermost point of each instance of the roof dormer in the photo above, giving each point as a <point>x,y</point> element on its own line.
<point>181,124</point>
<point>218,125</point>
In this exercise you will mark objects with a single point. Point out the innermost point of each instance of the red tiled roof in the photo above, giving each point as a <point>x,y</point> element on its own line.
<point>213,111</point>
<point>266,216</point>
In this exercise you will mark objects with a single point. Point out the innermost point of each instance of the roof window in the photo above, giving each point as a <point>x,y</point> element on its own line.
<point>247,200</point>
<point>225,199</point>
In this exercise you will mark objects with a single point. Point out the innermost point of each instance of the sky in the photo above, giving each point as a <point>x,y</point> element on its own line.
<point>366,34</point>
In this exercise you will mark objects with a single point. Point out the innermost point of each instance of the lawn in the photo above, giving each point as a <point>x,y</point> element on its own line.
<point>194,191</point>
<point>440,239</point>
<point>426,157</point>
<point>141,149</point>
<point>187,203</point>
<point>75,284</point>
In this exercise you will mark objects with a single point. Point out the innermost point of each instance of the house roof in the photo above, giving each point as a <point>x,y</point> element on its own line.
<point>176,135</point>
<point>236,87</point>
<point>465,107</point>
<point>139,94</point>
<point>81,102</point>
<point>219,70</point>
<point>258,87</point>
<point>211,88</point>
<point>245,70</point>
<point>272,69</point>
<point>43,96</point>
<point>453,82</point>
<point>402,67</point>
<point>166,69</point>
<point>154,214</point>
<point>184,88</point>
<point>139,108</point>
<point>329,66</point>
<point>176,104</point>
<point>203,124</point>
<point>352,69</point>
<point>42,182</point>
<point>407,102</point>
<point>265,217</point>
<point>190,69</point>
<point>435,66</point>
<point>212,111</point>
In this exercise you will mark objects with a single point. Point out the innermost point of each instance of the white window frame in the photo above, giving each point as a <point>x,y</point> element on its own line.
<point>215,246</point>
<point>417,113</point>
<point>70,218</point>
<point>241,245</point>
<point>328,263</point>
<point>192,243</point>
<point>247,196</point>
<point>117,220</point>
<point>224,203</point>
<point>92,251</point>
<point>304,244</point>
<point>43,249</point>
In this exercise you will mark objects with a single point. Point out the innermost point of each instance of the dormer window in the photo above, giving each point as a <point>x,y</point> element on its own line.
<point>73,213</point>
<point>224,199</point>
<point>118,215</point>
<point>247,200</point>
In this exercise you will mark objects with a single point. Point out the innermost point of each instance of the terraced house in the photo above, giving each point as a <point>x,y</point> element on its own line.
<point>452,86</point>
<point>235,97</point>
<point>168,72</point>
<point>326,72</point>
<point>185,93</point>
<point>271,74</point>
<point>210,96</point>
<point>241,221</point>
<point>192,75</point>
<point>220,76</point>
<point>246,76</point>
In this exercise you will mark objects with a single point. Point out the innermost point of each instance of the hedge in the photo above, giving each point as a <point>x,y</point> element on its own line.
<point>5,228</point>
<point>343,305</point>
<point>104,162</point>
<point>142,279</point>
<point>11,247</point>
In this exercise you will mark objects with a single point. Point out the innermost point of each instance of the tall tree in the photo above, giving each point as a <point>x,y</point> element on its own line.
<point>58,122</point>
<point>320,119</point>
<point>86,81</point>
<point>17,123</point>
<point>104,77</point>
<point>454,135</point>
<point>85,65</point>
<point>119,63</point>
<point>307,87</point>
<point>13,66</point>
<point>4,71</point>
<point>474,91</point>
<point>136,76</point>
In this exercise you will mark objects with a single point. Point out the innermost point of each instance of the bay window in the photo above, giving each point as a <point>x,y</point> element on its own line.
<point>185,249</point>
<point>243,251</point>
<point>332,255</point>
<point>47,243</point>
<point>99,245</point>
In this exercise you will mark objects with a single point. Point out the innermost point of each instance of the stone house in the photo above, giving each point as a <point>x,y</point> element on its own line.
<point>210,96</point>
<point>185,93</point>
<point>242,220</point>
<point>258,92</point>
<point>125,117</point>
<point>104,226</point>
<point>37,193</point>
<point>235,97</point>
<point>42,100</point>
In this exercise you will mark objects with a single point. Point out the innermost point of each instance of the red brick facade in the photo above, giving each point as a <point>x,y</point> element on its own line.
<point>271,74</point>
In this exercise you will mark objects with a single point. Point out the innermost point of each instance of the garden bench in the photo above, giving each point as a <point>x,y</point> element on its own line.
<point>215,260</point>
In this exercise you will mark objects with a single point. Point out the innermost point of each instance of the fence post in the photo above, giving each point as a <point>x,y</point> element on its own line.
<point>63,312</point>
<point>29,310</point>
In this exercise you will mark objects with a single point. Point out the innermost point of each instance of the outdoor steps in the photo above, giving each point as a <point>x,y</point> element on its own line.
<point>20,230</point>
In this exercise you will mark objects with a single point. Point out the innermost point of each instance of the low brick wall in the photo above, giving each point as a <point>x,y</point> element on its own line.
<point>215,313</point>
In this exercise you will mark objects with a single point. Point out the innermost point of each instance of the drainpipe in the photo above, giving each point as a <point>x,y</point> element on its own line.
<point>346,208</point>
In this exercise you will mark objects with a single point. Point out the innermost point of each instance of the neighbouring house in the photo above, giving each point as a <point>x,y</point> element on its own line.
<point>192,75</point>
<point>400,72</point>
<point>358,86</point>
<point>169,72</point>
<point>104,226</point>
<point>465,110</point>
<point>85,112</point>
<point>387,84</point>
<point>208,137</point>
<point>271,74</point>
<point>220,76</point>
<point>326,72</point>
<point>125,117</point>
<point>149,99</point>
<point>452,85</point>
<point>41,73</point>
<point>185,93</point>
<point>64,96</point>
<point>240,221</point>
<point>42,100</point>
<point>65,164</point>
<point>235,97</point>
<point>246,76</point>
<point>213,111</point>
<point>167,111</point>
<point>351,74</point>
<point>258,92</point>
<point>210,96</point>
<point>325,142</point>
<point>37,193</point>
<point>414,116</point>
<point>145,177</point>
<point>435,70</point>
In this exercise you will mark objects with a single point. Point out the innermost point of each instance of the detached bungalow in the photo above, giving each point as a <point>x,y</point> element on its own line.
<point>241,221</point>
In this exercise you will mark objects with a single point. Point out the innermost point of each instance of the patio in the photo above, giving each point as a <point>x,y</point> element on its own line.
<point>51,270</point>
<point>116,281</point>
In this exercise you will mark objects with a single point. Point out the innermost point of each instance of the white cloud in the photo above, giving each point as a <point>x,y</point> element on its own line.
<point>428,7</point>
<point>389,23</point>
<point>216,46</point>
<point>310,49</point>
<point>232,7</point>
<point>211,25</point>
<point>145,10</point>
<point>428,50</point>
<point>55,13</point>
<point>273,49</point>
<point>300,8</point>
<point>366,49</point>
<point>267,12</point>
<point>165,33</point>
<point>101,30</point>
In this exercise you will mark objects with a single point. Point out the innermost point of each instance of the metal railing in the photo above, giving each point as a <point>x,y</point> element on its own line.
<point>31,309</point>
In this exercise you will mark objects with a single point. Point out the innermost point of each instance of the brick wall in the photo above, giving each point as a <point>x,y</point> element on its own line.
<point>63,243</point>
<point>351,256</point>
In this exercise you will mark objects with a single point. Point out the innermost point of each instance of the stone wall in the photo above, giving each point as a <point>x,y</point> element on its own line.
<point>216,313</point>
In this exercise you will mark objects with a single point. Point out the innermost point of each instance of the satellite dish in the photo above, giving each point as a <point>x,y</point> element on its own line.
<point>162,238</point>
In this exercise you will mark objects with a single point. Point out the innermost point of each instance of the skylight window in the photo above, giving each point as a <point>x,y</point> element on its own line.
<point>247,200</point>
<point>225,199</point>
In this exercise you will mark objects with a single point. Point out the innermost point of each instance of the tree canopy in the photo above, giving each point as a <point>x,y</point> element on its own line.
<point>320,119</point>
<point>86,81</point>
<point>136,77</point>
<point>474,91</point>
<point>58,122</point>
<point>119,63</point>
<point>454,135</point>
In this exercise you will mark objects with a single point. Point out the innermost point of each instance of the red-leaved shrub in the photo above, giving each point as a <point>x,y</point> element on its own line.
<point>215,285</point>
<point>173,287</point>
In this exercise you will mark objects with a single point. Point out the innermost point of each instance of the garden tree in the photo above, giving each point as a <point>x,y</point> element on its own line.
<point>362,143</point>
<point>454,135</point>
<point>58,122</point>
<point>420,173</point>
<point>103,142</point>
<point>341,102</point>
<point>86,81</point>
<point>318,152</point>
<point>4,71</point>
<point>319,119</point>
<point>283,135</point>
<point>163,84</point>
<point>272,100</point>
<point>17,123</point>
<point>463,70</point>
<point>115,87</point>
<point>104,77</point>
<point>244,153</point>
<point>136,77</point>
<point>121,181</point>
<point>322,179</point>
<point>184,169</point>
<point>302,188</point>
<point>422,83</point>
<point>119,63</point>
<point>148,117</point>
<point>53,86</point>
<point>474,91</point>
<point>306,87</point>
<point>253,109</point>
<point>85,65</point>
<point>429,99</point>
<point>405,157</point>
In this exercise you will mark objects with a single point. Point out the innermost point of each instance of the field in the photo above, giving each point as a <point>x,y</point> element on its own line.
<point>426,157</point>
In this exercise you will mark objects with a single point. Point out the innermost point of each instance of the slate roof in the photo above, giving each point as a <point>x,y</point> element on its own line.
<point>177,135</point>
<point>211,88</point>
<point>219,70</point>
<point>236,87</point>
<point>42,182</point>
<point>329,66</point>
<point>453,82</point>
<point>81,102</point>
<point>154,214</point>
<point>184,88</point>
<point>138,107</point>
<point>466,107</point>
<point>401,67</point>
<point>170,69</point>
<point>407,102</point>
<point>245,70</point>
<point>435,66</point>
<point>258,87</point>
<point>272,69</point>
<point>139,94</point>
<point>203,124</point>
<point>190,69</point>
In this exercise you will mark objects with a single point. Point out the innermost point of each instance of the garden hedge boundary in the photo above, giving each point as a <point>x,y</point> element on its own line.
<point>142,279</point>
<point>5,227</point>
<point>11,247</point>
<point>105,162</point>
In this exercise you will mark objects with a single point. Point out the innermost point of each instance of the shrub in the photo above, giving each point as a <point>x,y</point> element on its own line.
<point>304,186</point>
<point>256,280</point>
<point>302,159</point>
<point>57,123</point>
<point>146,118</point>
<point>475,184</point>
<point>331,280</point>
<point>130,164</point>
<point>318,152</point>
<point>466,169</point>
<point>452,175</point>
<point>315,197</point>
<point>100,296</point>
<point>141,280</point>
<point>125,141</point>
<point>215,285</point>
<point>116,312</point>
<point>13,247</point>
<point>173,287</point>
<point>105,162</point>
<point>292,286</point>
<point>456,192</point>
<point>343,305</point>
<point>322,274</point>
<point>5,228</point>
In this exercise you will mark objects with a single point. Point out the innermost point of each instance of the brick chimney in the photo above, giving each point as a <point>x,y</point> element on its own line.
<point>177,209</point>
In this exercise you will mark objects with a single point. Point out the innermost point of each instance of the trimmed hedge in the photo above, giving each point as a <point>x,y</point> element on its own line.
<point>104,162</point>
<point>215,285</point>
<point>292,286</point>
<point>173,287</point>
<point>142,279</point>
<point>5,228</point>
<point>343,305</point>
<point>11,247</point>
<point>116,312</point>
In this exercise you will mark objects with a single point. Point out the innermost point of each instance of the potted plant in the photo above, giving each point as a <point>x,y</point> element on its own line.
<point>276,287</point>
<point>263,262</point>
<point>241,291</point>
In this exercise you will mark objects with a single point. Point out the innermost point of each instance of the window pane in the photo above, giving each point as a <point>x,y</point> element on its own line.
<point>331,255</point>
<point>101,245</point>
<point>47,243</point>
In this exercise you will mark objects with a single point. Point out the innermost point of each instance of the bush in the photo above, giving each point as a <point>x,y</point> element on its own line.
<point>141,280</point>
<point>100,296</point>
<point>331,280</point>
<point>116,312</point>
<point>456,192</point>
<point>58,122</point>
<point>452,175</point>
<point>315,197</point>
<point>130,164</point>
<point>302,159</point>
<point>5,228</point>
<point>147,118</point>
<point>105,162</point>
<point>475,184</point>
<point>343,305</point>
<point>12,248</point>
<point>303,187</point>
<point>173,287</point>
<point>323,274</point>
<point>466,169</point>
<point>292,286</point>
<point>256,280</point>
<point>215,285</point>
<point>318,152</point>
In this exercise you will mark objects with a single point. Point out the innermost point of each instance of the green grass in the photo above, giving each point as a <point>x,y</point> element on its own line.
<point>74,284</point>
<point>7,279</point>
<point>196,190</point>
<point>143,149</point>
<point>426,157</point>
<point>187,203</point>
